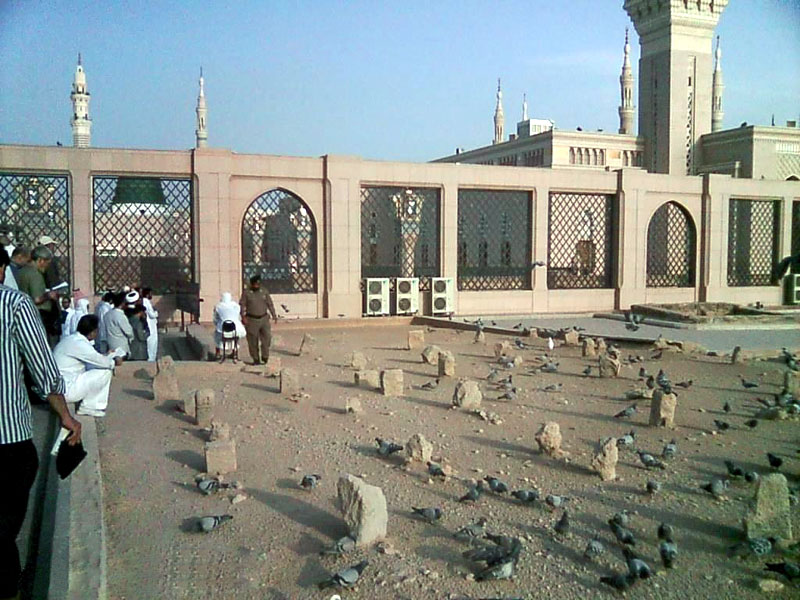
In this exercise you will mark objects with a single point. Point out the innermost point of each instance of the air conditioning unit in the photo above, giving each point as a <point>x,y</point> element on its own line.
<point>442,301</point>
<point>377,297</point>
<point>407,299</point>
<point>792,289</point>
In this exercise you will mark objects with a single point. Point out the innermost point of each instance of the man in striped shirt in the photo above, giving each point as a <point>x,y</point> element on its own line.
<point>23,344</point>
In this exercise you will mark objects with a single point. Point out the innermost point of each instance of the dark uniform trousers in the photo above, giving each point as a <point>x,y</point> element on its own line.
<point>259,331</point>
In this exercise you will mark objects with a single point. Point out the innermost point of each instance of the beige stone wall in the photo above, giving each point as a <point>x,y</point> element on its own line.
<point>227,183</point>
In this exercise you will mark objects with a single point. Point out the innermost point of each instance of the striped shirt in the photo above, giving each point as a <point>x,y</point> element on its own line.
<point>22,341</point>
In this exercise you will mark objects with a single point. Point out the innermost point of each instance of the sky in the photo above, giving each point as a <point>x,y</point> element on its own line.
<point>404,80</point>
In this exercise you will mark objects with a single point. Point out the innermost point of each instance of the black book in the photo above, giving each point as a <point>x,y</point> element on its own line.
<point>69,457</point>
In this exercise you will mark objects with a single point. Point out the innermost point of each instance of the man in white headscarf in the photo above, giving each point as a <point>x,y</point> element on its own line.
<point>152,324</point>
<point>227,310</point>
<point>71,324</point>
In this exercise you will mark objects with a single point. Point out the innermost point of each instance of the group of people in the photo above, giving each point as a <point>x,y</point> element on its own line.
<point>128,323</point>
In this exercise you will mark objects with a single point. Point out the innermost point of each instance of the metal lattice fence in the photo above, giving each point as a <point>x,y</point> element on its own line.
<point>400,233</point>
<point>579,240</point>
<point>494,240</point>
<point>671,246</point>
<point>279,243</point>
<point>753,227</point>
<point>143,232</point>
<point>35,205</point>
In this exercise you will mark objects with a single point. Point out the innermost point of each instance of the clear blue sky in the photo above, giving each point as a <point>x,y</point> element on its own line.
<point>404,80</point>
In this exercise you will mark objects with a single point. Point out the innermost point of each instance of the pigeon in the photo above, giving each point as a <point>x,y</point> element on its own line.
<point>619,581</point>
<point>653,486</point>
<point>538,263</point>
<point>748,385</point>
<point>285,308</point>
<point>341,546</point>
<point>623,535</point>
<point>754,546</point>
<point>506,541</point>
<point>501,570</point>
<point>508,548</point>
<point>774,461</point>
<point>751,477</point>
<point>669,552</point>
<point>562,525</point>
<point>553,387</point>
<point>622,518</point>
<point>472,531</point>
<point>790,570</point>
<point>657,355</point>
<point>650,382</point>
<point>310,481</point>
<point>721,425</point>
<point>727,407</point>
<point>509,395</point>
<point>665,532</point>
<point>554,501</point>
<point>520,344</point>
<point>734,470</point>
<point>670,450</point>
<point>346,578</point>
<point>594,549</point>
<point>716,488</point>
<point>431,385</point>
<point>650,461</point>
<point>628,412</point>
<point>436,470</point>
<point>643,374</point>
<point>497,486</point>
<point>549,367</point>
<point>636,566</point>
<point>661,378</point>
<point>386,447</point>
<point>211,485</point>
<point>428,514</point>
<point>587,371</point>
<point>626,440</point>
<point>493,375</point>
<point>526,496</point>
<point>517,326</point>
<point>473,494</point>
<point>210,523</point>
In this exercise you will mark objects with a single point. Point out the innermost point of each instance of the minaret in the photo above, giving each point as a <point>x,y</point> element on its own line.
<point>716,92</point>
<point>201,133</point>
<point>524,107</point>
<point>499,120</point>
<point>626,90</point>
<point>81,124</point>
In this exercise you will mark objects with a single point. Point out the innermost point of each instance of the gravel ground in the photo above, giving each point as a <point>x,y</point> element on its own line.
<point>151,453</point>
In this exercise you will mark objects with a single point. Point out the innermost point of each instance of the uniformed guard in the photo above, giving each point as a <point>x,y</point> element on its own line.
<point>257,307</point>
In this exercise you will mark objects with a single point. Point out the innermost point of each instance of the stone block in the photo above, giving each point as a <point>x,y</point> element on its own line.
<point>736,356</point>
<point>219,431</point>
<point>609,367</point>
<point>307,345</point>
<point>447,364</point>
<point>353,405</point>
<point>364,509</point>
<point>165,363</point>
<point>416,339</point>
<point>204,407</point>
<point>502,348</point>
<point>220,456</point>
<point>604,461</point>
<point>602,348</point>
<point>290,382</point>
<point>190,406</point>
<point>662,409</point>
<point>549,439</point>
<point>430,355</point>
<point>165,386</point>
<point>392,382</point>
<point>791,384</point>
<point>589,348</point>
<point>357,361</point>
<point>368,378</point>
<point>418,449</point>
<point>571,338</point>
<point>770,512</point>
<point>467,395</point>
<point>273,367</point>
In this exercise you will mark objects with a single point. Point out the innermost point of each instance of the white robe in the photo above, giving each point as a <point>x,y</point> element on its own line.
<point>152,327</point>
<point>227,310</point>
<point>87,373</point>
<point>102,308</point>
<point>74,315</point>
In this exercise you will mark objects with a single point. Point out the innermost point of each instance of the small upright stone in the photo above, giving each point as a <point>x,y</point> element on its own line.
<point>502,348</point>
<point>447,364</point>
<point>190,406</point>
<point>549,439</point>
<point>736,356</point>
<point>220,456</point>
<point>204,407</point>
<point>601,346</point>
<point>273,367</point>
<point>416,339</point>
<point>418,449</point>
<point>791,384</point>
<point>430,355</point>
<point>219,431</point>
<point>364,510</point>
<point>662,409</point>
<point>357,361</point>
<point>290,382</point>
<point>307,345</point>
<point>589,349</point>
<point>353,405</point>
<point>368,378</point>
<point>770,512</point>
<point>165,383</point>
<point>571,338</point>
<point>609,367</point>
<point>604,461</point>
<point>392,382</point>
<point>467,394</point>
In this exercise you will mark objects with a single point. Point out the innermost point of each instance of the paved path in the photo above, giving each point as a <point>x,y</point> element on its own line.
<point>718,340</point>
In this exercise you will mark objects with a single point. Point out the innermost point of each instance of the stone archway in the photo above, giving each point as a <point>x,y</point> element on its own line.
<point>671,247</point>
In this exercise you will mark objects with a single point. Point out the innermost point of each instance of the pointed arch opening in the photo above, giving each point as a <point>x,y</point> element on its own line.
<point>671,247</point>
<point>279,238</point>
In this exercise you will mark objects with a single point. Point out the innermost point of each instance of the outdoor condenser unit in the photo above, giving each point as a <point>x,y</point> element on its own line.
<point>407,300</point>
<point>792,288</point>
<point>377,291</point>
<point>442,295</point>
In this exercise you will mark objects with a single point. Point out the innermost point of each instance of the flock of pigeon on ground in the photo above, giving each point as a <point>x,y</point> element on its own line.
<point>496,556</point>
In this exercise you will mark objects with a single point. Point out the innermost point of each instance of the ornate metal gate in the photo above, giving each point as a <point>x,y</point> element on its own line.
<point>279,243</point>
<point>671,244</point>
<point>494,240</point>
<point>143,232</point>
<point>579,240</point>
<point>35,205</point>
<point>753,227</point>
<point>400,233</point>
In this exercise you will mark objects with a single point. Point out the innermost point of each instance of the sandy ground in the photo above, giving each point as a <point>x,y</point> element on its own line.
<point>151,453</point>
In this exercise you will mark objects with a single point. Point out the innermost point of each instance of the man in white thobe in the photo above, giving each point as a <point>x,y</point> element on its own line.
<point>152,324</point>
<point>87,373</point>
